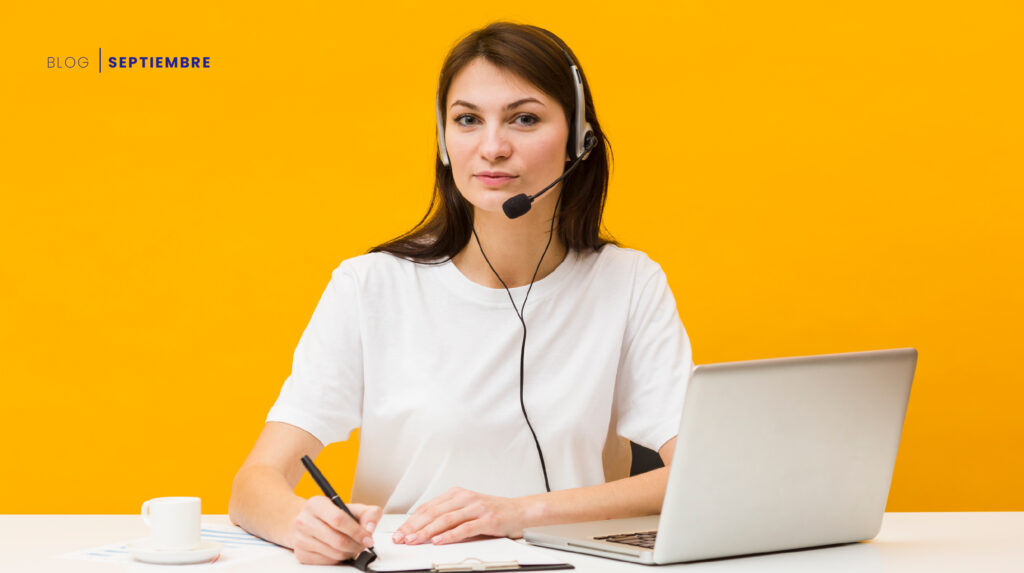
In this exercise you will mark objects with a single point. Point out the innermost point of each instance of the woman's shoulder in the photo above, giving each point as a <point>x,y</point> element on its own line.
<point>380,266</point>
<point>619,260</point>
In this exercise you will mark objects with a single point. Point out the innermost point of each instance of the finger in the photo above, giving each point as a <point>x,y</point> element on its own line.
<point>469,529</point>
<point>340,521</point>
<point>446,522</point>
<point>417,523</point>
<point>308,558</point>
<point>309,549</point>
<point>424,514</point>
<point>370,517</point>
<point>312,525</point>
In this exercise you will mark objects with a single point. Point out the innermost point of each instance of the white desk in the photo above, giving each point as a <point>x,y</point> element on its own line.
<point>925,542</point>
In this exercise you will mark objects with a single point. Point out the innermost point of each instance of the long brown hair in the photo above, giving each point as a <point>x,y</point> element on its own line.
<point>538,56</point>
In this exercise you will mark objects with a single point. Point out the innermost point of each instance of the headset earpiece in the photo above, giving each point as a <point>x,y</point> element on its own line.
<point>589,140</point>
<point>442,149</point>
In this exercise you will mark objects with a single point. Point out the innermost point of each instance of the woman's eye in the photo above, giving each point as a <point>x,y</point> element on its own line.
<point>459,120</point>
<point>530,119</point>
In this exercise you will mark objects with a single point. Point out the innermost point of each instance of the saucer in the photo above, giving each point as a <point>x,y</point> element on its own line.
<point>143,550</point>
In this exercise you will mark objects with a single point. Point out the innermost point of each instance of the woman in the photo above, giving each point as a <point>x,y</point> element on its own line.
<point>463,423</point>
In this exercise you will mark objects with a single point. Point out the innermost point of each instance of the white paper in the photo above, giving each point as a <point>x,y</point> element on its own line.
<point>395,557</point>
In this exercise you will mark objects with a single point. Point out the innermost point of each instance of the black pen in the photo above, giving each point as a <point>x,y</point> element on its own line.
<point>364,558</point>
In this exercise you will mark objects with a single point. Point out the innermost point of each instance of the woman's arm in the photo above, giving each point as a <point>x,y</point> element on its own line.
<point>263,501</point>
<point>634,496</point>
<point>460,514</point>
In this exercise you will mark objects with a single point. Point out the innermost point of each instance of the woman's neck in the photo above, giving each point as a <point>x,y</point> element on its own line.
<point>513,247</point>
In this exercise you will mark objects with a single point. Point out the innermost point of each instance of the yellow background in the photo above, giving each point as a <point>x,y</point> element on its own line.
<point>813,176</point>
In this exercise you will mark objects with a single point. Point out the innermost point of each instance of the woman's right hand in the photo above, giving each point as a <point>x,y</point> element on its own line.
<point>325,535</point>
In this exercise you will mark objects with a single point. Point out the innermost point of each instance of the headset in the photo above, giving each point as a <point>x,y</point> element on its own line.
<point>581,141</point>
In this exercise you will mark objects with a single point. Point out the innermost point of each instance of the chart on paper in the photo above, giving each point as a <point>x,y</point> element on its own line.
<point>238,546</point>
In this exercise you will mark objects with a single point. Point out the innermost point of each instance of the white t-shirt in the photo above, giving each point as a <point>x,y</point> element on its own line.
<point>426,363</point>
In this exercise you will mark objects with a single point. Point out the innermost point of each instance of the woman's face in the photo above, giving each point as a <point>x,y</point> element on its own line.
<point>504,136</point>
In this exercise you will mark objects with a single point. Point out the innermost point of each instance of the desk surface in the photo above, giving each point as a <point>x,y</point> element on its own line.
<point>925,542</point>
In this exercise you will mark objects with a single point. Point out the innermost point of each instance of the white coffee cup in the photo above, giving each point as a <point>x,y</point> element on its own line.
<point>173,522</point>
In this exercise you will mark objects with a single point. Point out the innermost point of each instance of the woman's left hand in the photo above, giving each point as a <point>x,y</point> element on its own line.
<point>459,514</point>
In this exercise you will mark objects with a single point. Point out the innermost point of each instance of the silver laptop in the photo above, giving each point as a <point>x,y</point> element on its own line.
<point>771,455</point>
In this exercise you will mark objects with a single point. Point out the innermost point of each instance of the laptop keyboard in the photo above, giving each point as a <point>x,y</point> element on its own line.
<point>639,539</point>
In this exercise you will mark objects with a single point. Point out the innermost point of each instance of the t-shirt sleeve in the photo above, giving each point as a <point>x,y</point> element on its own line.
<point>655,365</point>
<point>324,392</point>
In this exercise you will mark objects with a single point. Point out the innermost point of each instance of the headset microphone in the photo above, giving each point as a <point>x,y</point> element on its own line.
<point>520,204</point>
<point>517,206</point>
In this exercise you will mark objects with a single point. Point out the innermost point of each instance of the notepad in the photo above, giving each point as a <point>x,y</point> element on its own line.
<point>486,555</point>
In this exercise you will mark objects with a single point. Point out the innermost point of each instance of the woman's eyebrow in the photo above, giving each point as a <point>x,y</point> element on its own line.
<point>512,105</point>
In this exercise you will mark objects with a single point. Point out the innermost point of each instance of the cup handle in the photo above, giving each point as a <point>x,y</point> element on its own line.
<point>145,511</point>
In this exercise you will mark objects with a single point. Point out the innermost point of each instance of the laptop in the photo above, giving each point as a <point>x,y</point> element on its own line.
<point>771,455</point>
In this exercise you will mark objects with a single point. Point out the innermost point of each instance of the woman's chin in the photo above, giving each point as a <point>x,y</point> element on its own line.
<point>491,200</point>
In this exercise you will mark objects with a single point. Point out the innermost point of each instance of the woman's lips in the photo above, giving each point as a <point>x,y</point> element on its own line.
<point>494,180</point>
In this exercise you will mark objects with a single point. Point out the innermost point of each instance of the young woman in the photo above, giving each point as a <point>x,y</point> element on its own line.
<point>467,423</point>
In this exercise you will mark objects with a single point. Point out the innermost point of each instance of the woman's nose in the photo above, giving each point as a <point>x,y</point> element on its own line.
<point>495,144</point>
